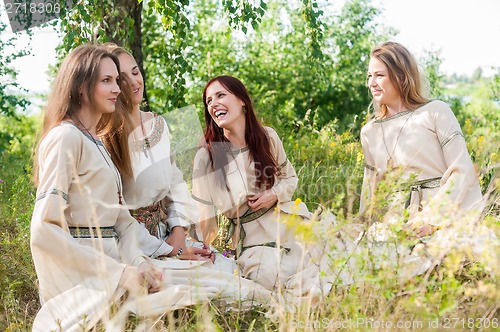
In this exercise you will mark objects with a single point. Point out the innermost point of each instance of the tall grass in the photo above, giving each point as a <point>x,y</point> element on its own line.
<point>18,295</point>
<point>460,293</point>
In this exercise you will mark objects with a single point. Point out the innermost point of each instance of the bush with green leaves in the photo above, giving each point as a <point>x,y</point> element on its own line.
<point>19,295</point>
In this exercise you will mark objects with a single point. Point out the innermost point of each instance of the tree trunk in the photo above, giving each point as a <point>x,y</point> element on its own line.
<point>114,21</point>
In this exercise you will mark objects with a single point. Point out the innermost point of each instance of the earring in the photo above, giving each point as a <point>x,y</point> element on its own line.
<point>244,110</point>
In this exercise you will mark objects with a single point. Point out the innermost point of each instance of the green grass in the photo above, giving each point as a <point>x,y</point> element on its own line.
<point>329,165</point>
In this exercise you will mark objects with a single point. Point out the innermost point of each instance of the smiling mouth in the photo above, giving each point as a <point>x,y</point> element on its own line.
<point>136,90</point>
<point>219,114</point>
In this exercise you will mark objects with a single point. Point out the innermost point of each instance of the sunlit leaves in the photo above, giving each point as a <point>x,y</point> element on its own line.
<point>9,99</point>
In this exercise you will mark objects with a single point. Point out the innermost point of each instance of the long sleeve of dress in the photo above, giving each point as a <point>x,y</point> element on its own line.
<point>369,176</point>
<point>62,261</point>
<point>129,232</point>
<point>288,180</point>
<point>178,203</point>
<point>151,245</point>
<point>459,183</point>
<point>207,228</point>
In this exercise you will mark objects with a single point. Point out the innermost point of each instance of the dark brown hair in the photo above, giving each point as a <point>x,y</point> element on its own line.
<point>256,137</point>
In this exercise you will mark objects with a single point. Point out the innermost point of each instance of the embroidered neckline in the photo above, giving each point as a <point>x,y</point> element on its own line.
<point>147,142</point>
<point>238,151</point>
<point>400,114</point>
<point>98,142</point>
<point>395,116</point>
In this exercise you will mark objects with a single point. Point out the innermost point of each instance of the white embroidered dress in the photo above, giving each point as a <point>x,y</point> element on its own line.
<point>428,143</point>
<point>427,146</point>
<point>272,255</point>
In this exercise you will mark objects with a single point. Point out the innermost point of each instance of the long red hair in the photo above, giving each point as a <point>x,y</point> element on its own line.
<point>256,137</point>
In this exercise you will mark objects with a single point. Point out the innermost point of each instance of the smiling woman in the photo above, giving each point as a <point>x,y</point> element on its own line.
<point>403,116</point>
<point>242,172</point>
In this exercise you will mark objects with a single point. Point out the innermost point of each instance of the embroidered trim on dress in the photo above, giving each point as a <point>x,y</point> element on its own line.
<point>150,217</point>
<point>52,191</point>
<point>84,232</point>
<point>449,138</point>
<point>395,116</point>
<point>371,168</point>
<point>235,152</point>
<point>283,165</point>
<point>201,200</point>
<point>155,137</point>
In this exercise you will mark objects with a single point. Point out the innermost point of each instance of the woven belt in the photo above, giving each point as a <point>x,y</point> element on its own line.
<point>267,244</point>
<point>248,216</point>
<point>92,232</point>
<point>151,217</point>
<point>418,186</point>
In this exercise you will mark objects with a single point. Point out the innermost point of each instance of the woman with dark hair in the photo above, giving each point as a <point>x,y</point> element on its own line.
<point>243,172</point>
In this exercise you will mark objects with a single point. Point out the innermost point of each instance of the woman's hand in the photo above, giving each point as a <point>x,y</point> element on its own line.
<point>132,281</point>
<point>152,276</point>
<point>262,200</point>
<point>139,281</point>
<point>421,229</point>
<point>197,254</point>
<point>177,239</point>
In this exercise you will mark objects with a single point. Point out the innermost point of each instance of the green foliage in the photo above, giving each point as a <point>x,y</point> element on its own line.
<point>354,35</point>
<point>329,164</point>
<point>306,72</point>
<point>17,276</point>
<point>242,14</point>
<point>277,65</point>
<point>91,21</point>
<point>9,101</point>
<point>432,63</point>
<point>495,85</point>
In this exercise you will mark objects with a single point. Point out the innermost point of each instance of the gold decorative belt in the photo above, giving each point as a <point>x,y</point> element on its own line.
<point>85,232</point>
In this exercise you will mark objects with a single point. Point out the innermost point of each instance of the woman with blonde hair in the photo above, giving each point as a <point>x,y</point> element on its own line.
<point>418,142</point>
<point>419,136</point>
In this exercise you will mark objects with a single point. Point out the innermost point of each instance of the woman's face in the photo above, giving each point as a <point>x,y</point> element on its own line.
<point>106,89</point>
<point>380,84</point>
<point>131,72</point>
<point>224,107</point>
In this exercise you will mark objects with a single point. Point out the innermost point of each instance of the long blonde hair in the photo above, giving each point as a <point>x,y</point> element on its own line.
<point>404,74</point>
<point>75,80</point>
